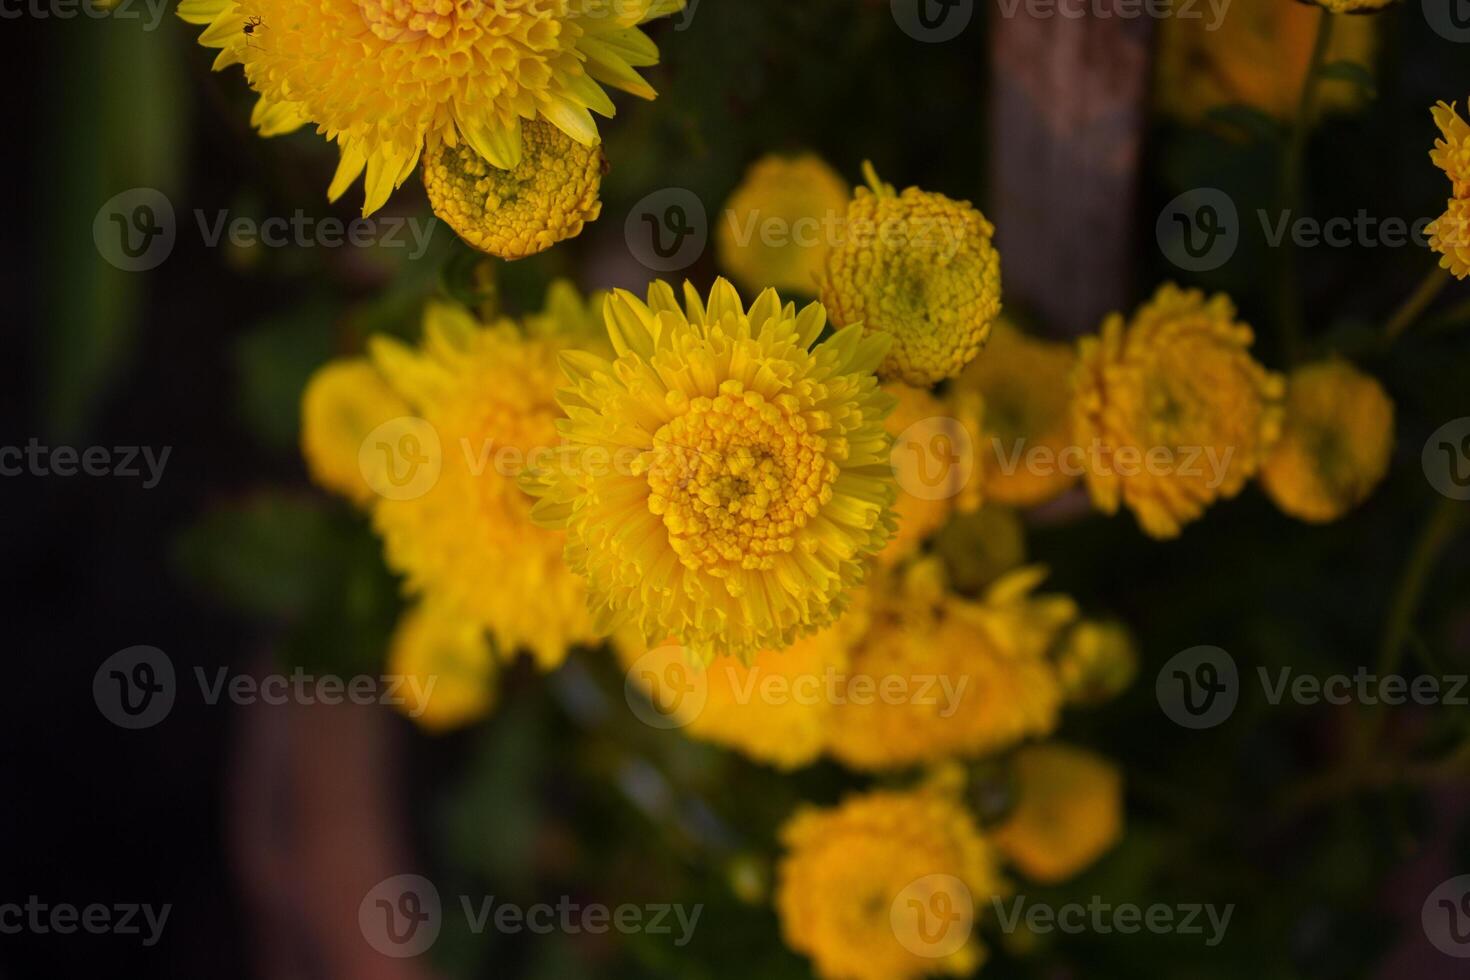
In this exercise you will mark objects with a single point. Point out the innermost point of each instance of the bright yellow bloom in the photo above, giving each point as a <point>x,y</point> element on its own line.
<point>772,710</point>
<point>1451,152</point>
<point>920,267</point>
<point>1069,812</point>
<point>858,881</point>
<point>1097,661</point>
<point>1024,383</point>
<point>461,531</point>
<point>1335,446</point>
<point>391,79</point>
<point>727,478</point>
<point>995,683</point>
<point>780,223</point>
<point>1255,53</point>
<point>934,461</point>
<point>1449,235</point>
<point>344,401</point>
<point>1170,410</point>
<point>448,668</point>
<point>511,214</point>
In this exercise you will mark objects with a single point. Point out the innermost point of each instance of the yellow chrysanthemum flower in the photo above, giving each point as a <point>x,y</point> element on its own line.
<point>993,684</point>
<point>344,401</point>
<point>934,461</point>
<point>454,520</point>
<point>858,881</point>
<point>1451,151</point>
<point>1097,661</point>
<point>512,214</point>
<point>920,267</point>
<point>780,224</point>
<point>727,478</point>
<point>1024,383</point>
<point>1449,235</point>
<point>1255,53</point>
<point>391,79</point>
<point>772,710</point>
<point>1335,446</point>
<point>1170,411</point>
<point>447,665</point>
<point>1068,813</point>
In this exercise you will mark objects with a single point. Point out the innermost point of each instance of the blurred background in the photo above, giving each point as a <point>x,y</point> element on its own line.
<point>262,826</point>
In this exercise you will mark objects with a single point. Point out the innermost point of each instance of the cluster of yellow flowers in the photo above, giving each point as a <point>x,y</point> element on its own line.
<point>477,89</point>
<point>889,885</point>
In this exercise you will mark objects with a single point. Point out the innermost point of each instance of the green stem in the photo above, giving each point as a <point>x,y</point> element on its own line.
<point>1438,532</point>
<point>1290,196</point>
<point>1413,307</point>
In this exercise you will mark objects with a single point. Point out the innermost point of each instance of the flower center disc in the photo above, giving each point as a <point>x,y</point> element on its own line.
<point>735,478</point>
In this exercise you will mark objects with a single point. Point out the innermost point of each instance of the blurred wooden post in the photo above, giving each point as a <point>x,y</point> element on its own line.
<point>1067,120</point>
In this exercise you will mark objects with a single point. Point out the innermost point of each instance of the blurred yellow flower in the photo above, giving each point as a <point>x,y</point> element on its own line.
<point>452,517</point>
<point>1353,6</point>
<point>1170,412</point>
<point>920,267</point>
<point>772,710</point>
<point>934,462</point>
<point>390,79</point>
<point>1068,813</point>
<point>1449,235</point>
<point>511,214</point>
<point>1024,383</point>
<point>728,476</point>
<point>1097,661</point>
<point>780,223</point>
<point>886,886</point>
<point>1255,53</point>
<point>942,676</point>
<point>1451,151</point>
<point>448,669</point>
<point>1335,446</point>
<point>344,401</point>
